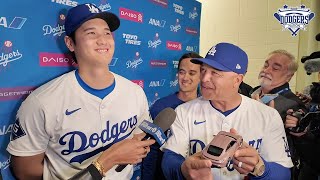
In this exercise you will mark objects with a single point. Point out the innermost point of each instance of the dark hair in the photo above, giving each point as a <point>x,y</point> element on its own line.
<point>188,55</point>
<point>73,38</point>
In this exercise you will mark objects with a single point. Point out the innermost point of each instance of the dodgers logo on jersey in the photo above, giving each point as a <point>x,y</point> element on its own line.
<point>112,134</point>
<point>294,18</point>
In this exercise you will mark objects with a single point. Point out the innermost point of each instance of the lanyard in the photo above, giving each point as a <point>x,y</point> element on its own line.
<point>282,90</point>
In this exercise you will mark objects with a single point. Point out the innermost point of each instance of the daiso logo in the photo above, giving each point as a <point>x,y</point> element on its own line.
<point>55,59</point>
<point>171,45</point>
<point>131,15</point>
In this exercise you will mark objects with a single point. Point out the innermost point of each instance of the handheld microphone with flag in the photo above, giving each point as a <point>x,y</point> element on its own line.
<point>156,130</point>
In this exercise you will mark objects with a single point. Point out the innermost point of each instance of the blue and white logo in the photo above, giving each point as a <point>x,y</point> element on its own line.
<point>294,18</point>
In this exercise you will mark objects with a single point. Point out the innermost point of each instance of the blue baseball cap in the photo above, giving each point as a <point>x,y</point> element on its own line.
<point>80,14</point>
<point>225,57</point>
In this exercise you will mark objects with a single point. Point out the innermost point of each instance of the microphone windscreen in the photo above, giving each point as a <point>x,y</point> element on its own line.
<point>312,65</point>
<point>165,118</point>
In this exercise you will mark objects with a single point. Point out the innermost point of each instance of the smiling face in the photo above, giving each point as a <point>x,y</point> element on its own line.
<point>218,85</point>
<point>94,43</point>
<point>188,75</point>
<point>275,72</point>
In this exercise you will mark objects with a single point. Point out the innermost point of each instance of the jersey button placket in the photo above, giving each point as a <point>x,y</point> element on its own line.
<point>102,119</point>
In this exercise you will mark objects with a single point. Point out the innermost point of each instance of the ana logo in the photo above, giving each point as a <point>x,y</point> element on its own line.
<point>7,94</point>
<point>193,14</point>
<point>139,83</point>
<point>157,83</point>
<point>156,22</point>
<point>178,9</point>
<point>56,60</point>
<point>191,31</point>
<point>131,15</point>
<point>6,130</point>
<point>131,39</point>
<point>67,2</point>
<point>158,63</point>
<point>175,64</point>
<point>192,48</point>
<point>113,62</point>
<point>294,18</point>
<point>238,66</point>
<point>56,30</point>
<point>155,42</point>
<point>212,51</point>
<point>163,3</point>
<point>16,23</point>
<point>174,46</point>
<point>175,27</point>
<point>104,6</point>
<point>8,54</point>
<point>134,63</point>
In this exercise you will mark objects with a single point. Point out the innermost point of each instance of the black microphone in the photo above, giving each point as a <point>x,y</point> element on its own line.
<point>163,121</point>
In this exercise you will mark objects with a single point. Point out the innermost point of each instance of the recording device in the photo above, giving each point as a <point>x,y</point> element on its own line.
<point>312,62</point>
<point>266,98</point>
<point>162,122</point>
<point>282,104</point>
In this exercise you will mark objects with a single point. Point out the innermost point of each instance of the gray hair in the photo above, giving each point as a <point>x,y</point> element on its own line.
<point>293,66</point>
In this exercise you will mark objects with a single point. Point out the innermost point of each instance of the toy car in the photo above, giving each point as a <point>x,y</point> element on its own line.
<point>222,148</point>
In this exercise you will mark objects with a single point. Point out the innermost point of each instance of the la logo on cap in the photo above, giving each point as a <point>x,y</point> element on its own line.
<point>212,51</point>
<point>92,8</point>
<point>238,66</point>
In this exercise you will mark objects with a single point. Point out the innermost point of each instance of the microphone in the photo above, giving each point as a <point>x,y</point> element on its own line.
<point>312,65</point>
<point>156,130</point>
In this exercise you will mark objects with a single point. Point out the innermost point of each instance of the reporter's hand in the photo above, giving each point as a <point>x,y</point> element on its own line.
<point>245,158</point>
<point>304,98</point>
<point>195,167</point>
<point>292,122</point>
<point>128,151</point>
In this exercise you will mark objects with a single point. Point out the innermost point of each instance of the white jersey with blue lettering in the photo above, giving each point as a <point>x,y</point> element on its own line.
<point>260,126</point>
<point>72,127</point>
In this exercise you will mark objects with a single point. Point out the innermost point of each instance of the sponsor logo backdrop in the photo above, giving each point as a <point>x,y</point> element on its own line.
<point>152,36</point>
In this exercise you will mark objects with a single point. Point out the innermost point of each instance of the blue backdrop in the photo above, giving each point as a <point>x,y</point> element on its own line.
<point>152,36</point>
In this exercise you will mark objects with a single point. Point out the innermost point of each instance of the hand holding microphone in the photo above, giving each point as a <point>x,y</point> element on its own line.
<point>154,130</point>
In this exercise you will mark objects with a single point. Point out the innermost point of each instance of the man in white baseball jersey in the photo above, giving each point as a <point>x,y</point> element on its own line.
<point>264,154</point>
<point>84,118</point>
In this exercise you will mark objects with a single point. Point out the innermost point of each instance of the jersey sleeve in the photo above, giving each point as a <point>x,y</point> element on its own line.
<point>29,136</point>
<point>274,147</point>
<point>178,142</point>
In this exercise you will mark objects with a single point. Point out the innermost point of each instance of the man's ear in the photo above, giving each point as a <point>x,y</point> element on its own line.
<point>69,43</point>
<point>238,80</point>
<point>289,76</point>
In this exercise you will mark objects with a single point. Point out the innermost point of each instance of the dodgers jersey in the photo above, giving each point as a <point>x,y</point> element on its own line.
<point>260,126</point>
<point>72,127</point>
